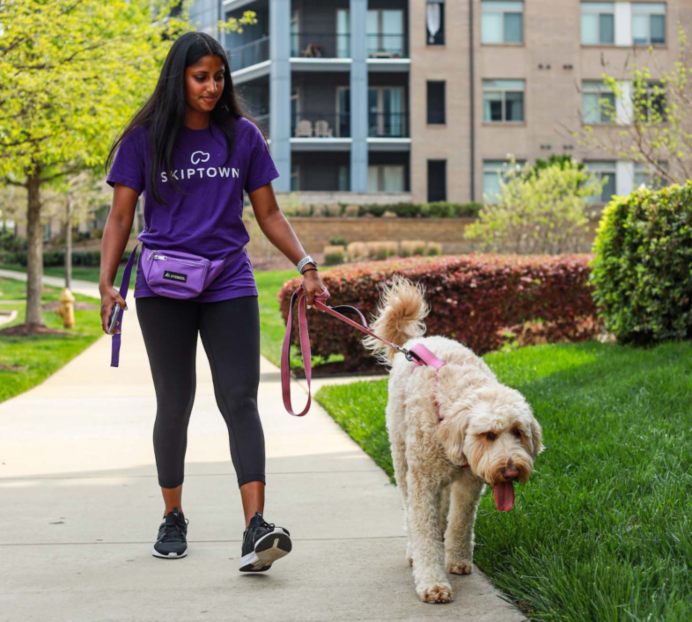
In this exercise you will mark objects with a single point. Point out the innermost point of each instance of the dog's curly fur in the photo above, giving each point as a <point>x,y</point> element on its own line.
<point>439,422</point>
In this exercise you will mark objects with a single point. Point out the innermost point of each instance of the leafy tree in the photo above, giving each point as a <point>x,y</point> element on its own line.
<point>72,73</point>
<point>655,126</point>
<point>539,210</point>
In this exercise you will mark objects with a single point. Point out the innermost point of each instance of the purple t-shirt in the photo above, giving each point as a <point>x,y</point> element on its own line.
<point>204,214</point>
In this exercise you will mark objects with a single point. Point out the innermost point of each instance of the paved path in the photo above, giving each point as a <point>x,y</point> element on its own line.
<point>80,507</point>
<point>86,288</point>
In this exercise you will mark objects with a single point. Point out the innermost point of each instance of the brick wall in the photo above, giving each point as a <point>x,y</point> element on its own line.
<point>314,233</point>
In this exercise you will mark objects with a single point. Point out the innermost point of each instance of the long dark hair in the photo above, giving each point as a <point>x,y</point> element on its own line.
<point>163,113</point>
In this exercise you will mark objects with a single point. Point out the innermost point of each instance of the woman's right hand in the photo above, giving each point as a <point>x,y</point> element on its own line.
<point>109,298</point>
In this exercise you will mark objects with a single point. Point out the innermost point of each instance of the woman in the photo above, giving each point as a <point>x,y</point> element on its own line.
<point>192,153</point>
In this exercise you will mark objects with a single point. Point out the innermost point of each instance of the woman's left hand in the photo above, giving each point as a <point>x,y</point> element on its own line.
<point>313,286</point>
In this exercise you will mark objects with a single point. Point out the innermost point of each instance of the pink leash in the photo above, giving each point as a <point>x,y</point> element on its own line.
<point>418,354</point>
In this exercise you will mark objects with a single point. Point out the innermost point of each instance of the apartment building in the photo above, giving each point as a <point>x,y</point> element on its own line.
<point>425,100</point>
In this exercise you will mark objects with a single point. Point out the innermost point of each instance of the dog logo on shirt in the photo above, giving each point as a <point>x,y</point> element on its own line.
<point>199,156</point>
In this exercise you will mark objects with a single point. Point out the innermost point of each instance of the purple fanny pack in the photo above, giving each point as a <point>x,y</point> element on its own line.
<point>173,274</point>
<point>176,274</point>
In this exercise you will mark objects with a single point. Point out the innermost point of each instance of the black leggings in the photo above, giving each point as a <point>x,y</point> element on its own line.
<point>230,334</point>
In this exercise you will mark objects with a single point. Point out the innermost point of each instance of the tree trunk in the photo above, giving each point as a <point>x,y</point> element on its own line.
<point>68,244</point>
<point>34,268</point>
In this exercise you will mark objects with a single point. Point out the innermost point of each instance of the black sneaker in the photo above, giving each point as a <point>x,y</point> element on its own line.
<point>263,544</point>
<point>172,539</point>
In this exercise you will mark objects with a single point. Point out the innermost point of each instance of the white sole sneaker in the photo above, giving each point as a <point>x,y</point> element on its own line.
<point>171,555</point>
<point>268,549</point>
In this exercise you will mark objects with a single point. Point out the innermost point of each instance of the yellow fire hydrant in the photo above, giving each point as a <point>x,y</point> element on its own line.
<point>66,308</point>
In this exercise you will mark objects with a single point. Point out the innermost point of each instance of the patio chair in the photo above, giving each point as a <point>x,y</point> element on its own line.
<point>304,129</point>
<point>323,129</point>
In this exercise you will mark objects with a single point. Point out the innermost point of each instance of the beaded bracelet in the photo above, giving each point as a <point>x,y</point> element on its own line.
<point>309,270</point>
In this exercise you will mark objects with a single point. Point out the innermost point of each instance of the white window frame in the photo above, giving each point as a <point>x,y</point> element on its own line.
<point>491,7</point>
<point>648,9</point>
<point>498,168</point>
<point>600,168</point>
<point>380,172</point>
<point>597,9</point>
<point>598,87</point>
<point>503,90</point>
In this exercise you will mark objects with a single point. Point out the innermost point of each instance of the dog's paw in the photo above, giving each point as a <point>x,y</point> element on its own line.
<point>460,567</point>
<point>437,593</point>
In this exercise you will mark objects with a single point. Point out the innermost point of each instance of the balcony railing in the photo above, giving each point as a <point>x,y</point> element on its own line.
<point>321,125</point>
<point>249,54</point>
<point>320,45</point>
<point>388,125</point>
<point>382,45</point>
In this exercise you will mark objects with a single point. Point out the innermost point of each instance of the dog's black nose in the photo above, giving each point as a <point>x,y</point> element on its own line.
<point>510,473</point>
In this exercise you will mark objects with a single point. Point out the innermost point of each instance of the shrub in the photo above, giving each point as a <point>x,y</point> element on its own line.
<point>412,247</point>
<point>541,211</point>
<point>641,268</point>
<point>338,241</point>
<point>474,299</point>
<point>381,249</point>
<point>351,211</point>
<point>433,248</point>
<point>356,250</point>
<point>334,255</point>
<point>334,210</point>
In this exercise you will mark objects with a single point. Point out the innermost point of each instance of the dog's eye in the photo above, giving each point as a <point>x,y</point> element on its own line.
<point>516,432</point>
<point>491,436</point>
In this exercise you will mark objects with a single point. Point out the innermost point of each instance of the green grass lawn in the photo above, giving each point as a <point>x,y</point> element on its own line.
<point>78,273</point>
<point>27,361</point>
<point>602,530</point>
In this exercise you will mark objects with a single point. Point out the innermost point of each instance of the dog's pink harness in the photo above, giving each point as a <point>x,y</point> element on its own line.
<point>419,355</point>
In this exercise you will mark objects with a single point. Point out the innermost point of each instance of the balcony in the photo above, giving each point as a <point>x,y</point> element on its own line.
<point>388,125</point>
<point>320,45</point>
<point>320,125</point>
<point>383,45</point>
<point>249,54</point>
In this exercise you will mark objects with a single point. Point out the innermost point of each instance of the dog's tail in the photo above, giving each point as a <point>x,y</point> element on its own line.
<point>399,317</point>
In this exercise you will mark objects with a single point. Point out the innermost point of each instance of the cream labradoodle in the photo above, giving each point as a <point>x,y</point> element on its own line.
<point>452,431</point>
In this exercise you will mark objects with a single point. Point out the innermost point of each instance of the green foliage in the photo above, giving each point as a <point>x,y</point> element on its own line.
<point>657,134</point>
<point>642,266</point>
<point>334,258</point>
<point>601,531</point>
<point>71,75</point>
<point>539,210</point>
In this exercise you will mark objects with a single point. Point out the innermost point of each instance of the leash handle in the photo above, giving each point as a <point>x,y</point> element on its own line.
<point>299,295</point>
<point>124,286</point>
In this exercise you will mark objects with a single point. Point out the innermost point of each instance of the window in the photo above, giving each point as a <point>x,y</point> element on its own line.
<point>435,22</point>
<point>649,101</point>
<point>387,117</point>
<point>646,176</point>
<point>436,102</point>
<point>597,23</point>
<point>385,178</point>
<point>597,102</point>
<point>603,170</point>
<point>343,111</point>
<point>494,172</point>
<point>648,23</point>
<point>295,178</point>
<point>502,22</point>
<point>437,180</point>
<point>344,181</point>
<point>343,33</point>
<point>503,100</point>
<point>385,29</point>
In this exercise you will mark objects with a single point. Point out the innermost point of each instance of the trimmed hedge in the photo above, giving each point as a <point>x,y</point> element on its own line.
<point>474,299</point>
<point>642,267</point>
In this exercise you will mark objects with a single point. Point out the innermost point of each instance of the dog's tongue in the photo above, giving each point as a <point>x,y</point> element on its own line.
<point>503,494</point>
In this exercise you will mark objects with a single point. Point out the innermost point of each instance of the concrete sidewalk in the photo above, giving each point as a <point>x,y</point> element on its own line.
<point>81,506</point>
<point>86,288</point>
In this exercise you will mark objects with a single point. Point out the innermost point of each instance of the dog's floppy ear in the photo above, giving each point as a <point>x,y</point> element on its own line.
<point>451,433</point>
<point>536,438</point>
